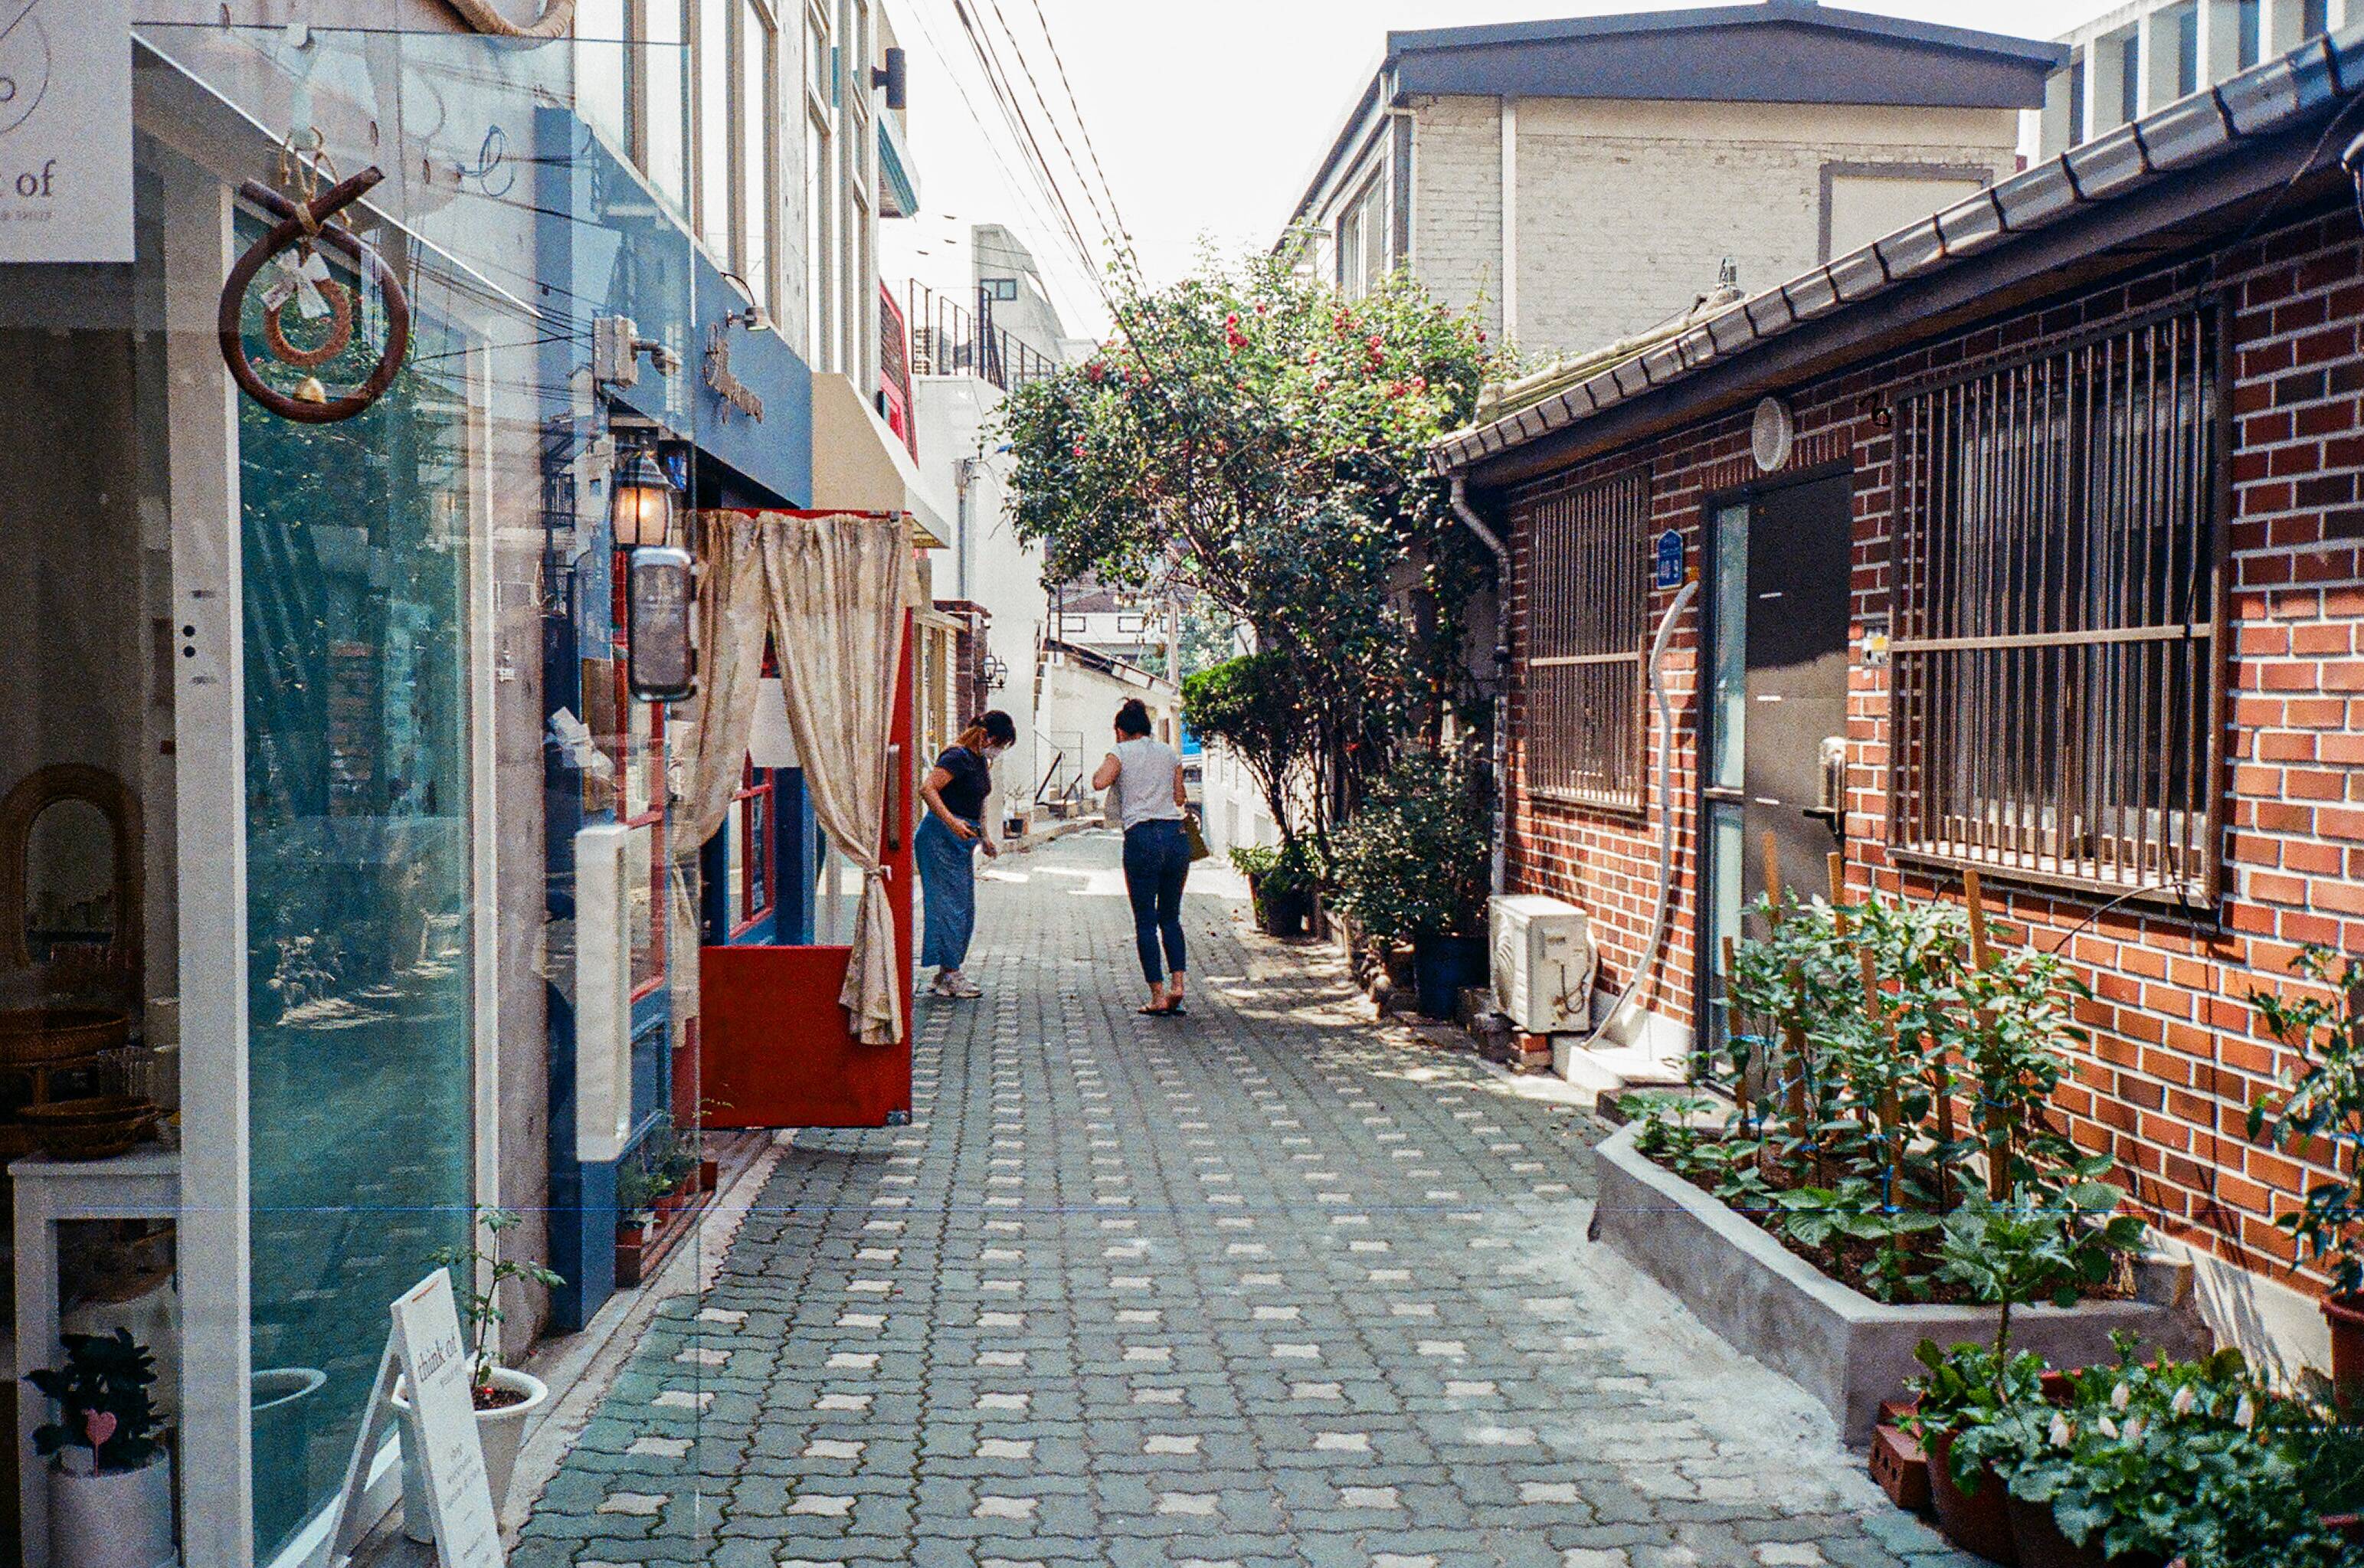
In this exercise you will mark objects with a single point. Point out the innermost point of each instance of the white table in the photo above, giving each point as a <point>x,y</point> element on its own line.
<point>145,1184</point>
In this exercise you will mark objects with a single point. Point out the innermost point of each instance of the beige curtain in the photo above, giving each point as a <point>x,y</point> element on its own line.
<point>732,622</point>
<point>838,588</point>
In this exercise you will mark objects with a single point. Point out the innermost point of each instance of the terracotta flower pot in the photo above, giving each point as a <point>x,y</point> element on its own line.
<point>2346,1315</point>
<point>2041,1544</point>
<point>1978,1522</point>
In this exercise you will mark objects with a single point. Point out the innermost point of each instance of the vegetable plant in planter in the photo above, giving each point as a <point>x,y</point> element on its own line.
<point>1282,881</point>
<point>2010,1254</point>
<point>504,1396</point>
<point>110,1484</point>
<point>2321,1109</point>
<point>1413,865</point>
<point>2138,1464</point>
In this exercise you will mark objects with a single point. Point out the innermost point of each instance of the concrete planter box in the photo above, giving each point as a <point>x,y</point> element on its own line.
<point>1847,1349</point>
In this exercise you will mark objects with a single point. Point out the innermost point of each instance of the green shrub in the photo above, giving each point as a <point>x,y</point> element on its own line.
<point>1416,860</point>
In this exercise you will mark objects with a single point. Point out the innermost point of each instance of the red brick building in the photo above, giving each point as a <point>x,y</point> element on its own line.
<point>2028,538</point>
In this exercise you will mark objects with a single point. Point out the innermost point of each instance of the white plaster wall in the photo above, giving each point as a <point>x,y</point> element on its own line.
<point>1626,207</point>
<point>953,416</point>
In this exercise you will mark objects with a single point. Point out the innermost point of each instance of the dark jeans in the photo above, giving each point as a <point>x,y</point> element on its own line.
<point>1156,861</point>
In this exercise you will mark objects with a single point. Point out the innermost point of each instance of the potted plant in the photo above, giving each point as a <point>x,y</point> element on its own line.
<point>2131,1466</point>
<point>1282,881</point>
<point>2011,1255</point>
<point>2321,1105</point>
<point>110,1484</point>
<point>504,1396</point>
<point>1413,865</point>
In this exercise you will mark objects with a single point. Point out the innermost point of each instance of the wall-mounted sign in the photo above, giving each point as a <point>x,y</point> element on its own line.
<point>734,393</point>
<point>65,130</point>
<point>1666,561</point>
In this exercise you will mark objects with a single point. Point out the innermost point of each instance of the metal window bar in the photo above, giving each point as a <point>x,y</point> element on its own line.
<point>2059,668</point>
<point>948,339</point>
<point>1587,599</point>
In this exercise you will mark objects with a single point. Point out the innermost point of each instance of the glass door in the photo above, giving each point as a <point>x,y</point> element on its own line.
<point>1773,791</point>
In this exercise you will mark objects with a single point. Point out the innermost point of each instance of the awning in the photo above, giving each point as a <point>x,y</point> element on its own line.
<point>860,465</point>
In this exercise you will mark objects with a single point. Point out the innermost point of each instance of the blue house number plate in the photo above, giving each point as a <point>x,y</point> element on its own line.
<point>1669,559</point>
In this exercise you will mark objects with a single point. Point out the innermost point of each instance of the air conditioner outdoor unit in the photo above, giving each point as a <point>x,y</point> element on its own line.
<point>1543,964</point>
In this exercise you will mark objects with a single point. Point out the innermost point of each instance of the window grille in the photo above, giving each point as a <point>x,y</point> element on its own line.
<point>2059,662</point>
<point>1588,588</point>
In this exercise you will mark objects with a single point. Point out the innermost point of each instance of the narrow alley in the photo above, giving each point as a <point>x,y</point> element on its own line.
<point>1265,1285</point>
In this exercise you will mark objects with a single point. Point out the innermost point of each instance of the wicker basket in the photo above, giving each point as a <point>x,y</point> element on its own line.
<point>98,1128</point>
<point>45,1037</point>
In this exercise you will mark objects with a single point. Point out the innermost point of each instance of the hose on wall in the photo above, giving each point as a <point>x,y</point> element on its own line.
<point>557,20</point>
<point>1649,962</point>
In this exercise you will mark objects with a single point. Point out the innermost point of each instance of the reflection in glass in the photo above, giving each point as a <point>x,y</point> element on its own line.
<point>358,541</point>
<point>662,103</point>
<point>1730,674</point>
<point>714,127</point>
<point>69,879</point>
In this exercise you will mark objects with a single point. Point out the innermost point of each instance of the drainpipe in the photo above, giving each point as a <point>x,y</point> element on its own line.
<point>1492,542</point>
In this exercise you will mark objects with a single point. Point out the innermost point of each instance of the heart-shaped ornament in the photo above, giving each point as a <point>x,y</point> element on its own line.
<point>100,1425</point>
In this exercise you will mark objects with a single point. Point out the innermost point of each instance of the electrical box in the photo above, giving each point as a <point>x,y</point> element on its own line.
<point>1543,963</point>
<point>602,993</point>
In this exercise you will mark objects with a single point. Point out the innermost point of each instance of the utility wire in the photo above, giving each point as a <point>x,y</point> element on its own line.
<point>1083,130</point>
<point>1111,230</point>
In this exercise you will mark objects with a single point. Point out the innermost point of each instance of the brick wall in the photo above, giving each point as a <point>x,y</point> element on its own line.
<point>2176,1055</point>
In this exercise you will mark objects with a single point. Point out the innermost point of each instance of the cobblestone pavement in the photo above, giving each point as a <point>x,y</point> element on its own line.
<point>1267,1285</point>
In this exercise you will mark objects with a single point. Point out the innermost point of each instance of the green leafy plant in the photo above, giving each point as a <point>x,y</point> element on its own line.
<point>2190,1459</point>
<point>104,1404</point>
<point>2011,1255</point>
<point>1256,706</point>
<point>1415,860</point>
<point>479,1274</point>
<point>2322,1105</point>
<point>2012,1032</point>
<point>1854,1211</point>
<point>1255,443</point>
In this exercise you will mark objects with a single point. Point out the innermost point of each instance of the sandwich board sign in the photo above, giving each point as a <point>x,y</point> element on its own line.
<point>427,1353</point>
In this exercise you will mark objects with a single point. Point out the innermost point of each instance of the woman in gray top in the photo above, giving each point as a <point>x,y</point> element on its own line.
<point>1147,777</point>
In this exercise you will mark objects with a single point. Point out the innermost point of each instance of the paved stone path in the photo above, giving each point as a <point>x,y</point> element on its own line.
<point>1269,1285</point>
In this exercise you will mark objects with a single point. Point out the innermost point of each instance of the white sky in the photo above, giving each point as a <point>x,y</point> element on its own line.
<point>1209,115</point>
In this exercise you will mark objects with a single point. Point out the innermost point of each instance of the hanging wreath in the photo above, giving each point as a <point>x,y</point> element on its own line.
<point>294,251</point>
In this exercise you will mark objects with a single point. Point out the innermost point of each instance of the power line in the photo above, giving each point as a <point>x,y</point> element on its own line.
<point>1076,110</point>
<point>1111,231</point>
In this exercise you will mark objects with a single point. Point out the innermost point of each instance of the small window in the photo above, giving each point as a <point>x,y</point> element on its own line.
<point>749,888</point>
<point>2057,677</point>
<point>2129,78</point>
<point>1588,592</point>
<point>2314,17</point>
<point>1000,288</point>
<point>2187,50</point>
<point>2077,101</point>
<point>2250,32</point>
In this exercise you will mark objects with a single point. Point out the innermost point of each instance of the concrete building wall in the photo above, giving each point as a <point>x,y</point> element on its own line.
<point>2177,1053</point>
<point>2087,98</point>
<point>1624,209</point>
<point>985,564</point>
<point>1457,202</point>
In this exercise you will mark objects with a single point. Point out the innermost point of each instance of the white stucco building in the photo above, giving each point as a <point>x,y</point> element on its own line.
<point>2144,56</point>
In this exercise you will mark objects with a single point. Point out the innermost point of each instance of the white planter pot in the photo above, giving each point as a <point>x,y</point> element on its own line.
<point>500,1433</point>
<point>119,1520</point>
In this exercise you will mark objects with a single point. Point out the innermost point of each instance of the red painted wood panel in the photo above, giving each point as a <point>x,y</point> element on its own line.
<point>775,1046</point>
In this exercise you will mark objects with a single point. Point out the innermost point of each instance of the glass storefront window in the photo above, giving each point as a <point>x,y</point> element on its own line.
<point>361,884</point>
<point>662,102</point>
<point>714,136</point>
<point>758,112</point>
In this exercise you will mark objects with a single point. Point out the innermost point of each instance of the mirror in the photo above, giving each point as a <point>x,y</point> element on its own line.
<point>70,874</point>
<point>69,879</point>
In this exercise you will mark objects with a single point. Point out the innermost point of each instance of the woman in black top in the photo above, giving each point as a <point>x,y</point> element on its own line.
<point>944,847</point>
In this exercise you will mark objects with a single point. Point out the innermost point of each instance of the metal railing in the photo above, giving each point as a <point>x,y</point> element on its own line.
<point>949,337</point>
<point>2059,664</point>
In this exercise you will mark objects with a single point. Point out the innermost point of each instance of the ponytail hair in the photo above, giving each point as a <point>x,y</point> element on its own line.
<point>993,727</point>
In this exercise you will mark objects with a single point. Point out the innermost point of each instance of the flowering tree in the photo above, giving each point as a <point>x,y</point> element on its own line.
<point>1249,438</point>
